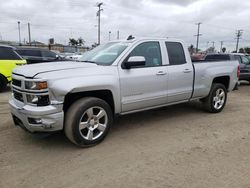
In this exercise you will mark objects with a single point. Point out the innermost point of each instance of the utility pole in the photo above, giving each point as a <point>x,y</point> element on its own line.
<point>118,35</point>
<point>198,36</point>
<point>221,45</point>
<point>109,35</point>
<point>213,44</point>
<point>207,44</point>
<point>238,37</point>
<point>99,5</point>
<point>19,32</point>
<point>29,34</point>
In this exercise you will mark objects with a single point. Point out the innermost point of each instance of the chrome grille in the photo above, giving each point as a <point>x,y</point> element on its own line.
<point>17,83</point>
<point>18,96</point>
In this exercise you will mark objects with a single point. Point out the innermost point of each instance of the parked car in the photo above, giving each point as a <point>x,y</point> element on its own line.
<point>37,55</point>
<point>75,56</point>
<point>8,60</point>
<point>115,79</point>
<point>241,58</point>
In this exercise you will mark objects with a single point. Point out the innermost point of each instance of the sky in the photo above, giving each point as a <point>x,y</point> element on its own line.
<point>64,19</point>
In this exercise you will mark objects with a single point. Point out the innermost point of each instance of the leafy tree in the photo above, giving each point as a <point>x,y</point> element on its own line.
<point>247,50</point>
<point>80,41</point>
<point>224,49</point>
<point>73,42</point>
<point>241,50</point>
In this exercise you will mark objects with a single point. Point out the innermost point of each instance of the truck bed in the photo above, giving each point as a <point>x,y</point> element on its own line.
<point>205,71</point>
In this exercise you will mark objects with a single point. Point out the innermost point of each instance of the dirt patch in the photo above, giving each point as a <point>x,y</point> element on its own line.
<point>178,146</point>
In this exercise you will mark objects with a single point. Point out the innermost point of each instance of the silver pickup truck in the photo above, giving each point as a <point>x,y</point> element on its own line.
<point>116,78</point>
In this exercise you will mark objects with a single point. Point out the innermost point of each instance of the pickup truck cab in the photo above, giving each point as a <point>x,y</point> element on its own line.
<point>116,78</point>
<point>241,58</point>
<point>8,60</point>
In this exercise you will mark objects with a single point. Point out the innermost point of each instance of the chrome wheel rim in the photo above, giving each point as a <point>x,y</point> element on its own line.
<point>219,99</point>
<point>93,123</point>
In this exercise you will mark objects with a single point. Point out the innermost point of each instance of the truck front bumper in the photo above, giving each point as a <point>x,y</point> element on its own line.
<point>37,119</point>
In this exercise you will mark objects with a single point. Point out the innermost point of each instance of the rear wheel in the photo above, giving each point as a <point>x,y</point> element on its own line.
<point>216,100</point>
<point>88,121</point>
<point>3,83</point>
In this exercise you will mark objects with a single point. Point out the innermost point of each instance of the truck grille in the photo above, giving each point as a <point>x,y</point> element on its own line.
<point>17,83</point>
<point>18,96</point>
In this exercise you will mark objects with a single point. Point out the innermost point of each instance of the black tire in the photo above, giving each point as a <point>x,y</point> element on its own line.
<point>77,111</point>
<point>3,83</point>
<point>209,103</point>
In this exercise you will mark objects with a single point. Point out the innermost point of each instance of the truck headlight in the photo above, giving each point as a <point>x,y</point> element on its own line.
<point>39,100</point>
<point>36,85</point>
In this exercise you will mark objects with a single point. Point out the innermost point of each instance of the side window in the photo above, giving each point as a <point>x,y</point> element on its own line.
<point>176,53</point>
<point>50,54</point>
<point>151,51</point>
<point>8,54</point>
<point>27,52</point>
<point>245,60</point>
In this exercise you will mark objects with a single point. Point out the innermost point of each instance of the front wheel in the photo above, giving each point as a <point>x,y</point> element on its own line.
<point>88,121</point>
<point>217,98</point>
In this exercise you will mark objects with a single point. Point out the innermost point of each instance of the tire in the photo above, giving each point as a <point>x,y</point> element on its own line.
<point>93,129</point>
<point>3,83</point>
<point>217,98</point>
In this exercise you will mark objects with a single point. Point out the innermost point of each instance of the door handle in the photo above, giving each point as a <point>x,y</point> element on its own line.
<point>161,73</point>
<point>187,71</point>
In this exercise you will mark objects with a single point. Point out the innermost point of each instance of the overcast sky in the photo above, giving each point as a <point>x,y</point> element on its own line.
<point>62,19</point>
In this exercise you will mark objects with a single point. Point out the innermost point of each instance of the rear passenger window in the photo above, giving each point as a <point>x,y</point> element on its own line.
<point>176,53</point>
<point>8,54</point>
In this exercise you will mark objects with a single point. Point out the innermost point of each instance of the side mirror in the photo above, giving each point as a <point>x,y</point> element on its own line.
<point>135,61</point>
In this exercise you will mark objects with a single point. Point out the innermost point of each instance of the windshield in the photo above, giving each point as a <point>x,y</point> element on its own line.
<point>105,54</point>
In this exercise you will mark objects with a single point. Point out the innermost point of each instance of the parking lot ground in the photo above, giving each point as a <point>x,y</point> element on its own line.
<point>178,146</point>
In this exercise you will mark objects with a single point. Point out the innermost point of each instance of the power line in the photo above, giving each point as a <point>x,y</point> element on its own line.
<point>198,36</point>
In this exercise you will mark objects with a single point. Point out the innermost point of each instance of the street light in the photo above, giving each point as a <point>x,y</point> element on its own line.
<point>99,21</point>
<point>19,32</point>
<point>109,35</point>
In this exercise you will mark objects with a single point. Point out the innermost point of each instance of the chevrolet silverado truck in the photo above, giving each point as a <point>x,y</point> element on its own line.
<point>117,78</point>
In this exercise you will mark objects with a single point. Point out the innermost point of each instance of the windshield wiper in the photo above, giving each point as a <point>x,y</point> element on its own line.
<point>89,61</point>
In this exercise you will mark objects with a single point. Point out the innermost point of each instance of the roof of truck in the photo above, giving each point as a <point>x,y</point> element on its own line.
<point>6,46</point>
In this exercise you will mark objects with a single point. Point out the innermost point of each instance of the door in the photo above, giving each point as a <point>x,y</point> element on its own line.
<point>144,86</point>
<point>180,73</point>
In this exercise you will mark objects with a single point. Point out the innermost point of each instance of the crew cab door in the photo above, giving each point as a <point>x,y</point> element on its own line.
<point>180,73</point>
<point>144,86</point>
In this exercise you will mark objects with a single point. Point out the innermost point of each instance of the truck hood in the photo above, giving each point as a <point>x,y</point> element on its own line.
<point>32,70</point>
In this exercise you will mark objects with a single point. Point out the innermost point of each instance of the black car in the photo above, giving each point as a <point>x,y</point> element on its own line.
<point>242,58</point>
<point>37,55</point>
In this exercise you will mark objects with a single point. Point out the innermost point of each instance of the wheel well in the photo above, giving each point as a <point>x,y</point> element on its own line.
<point>105,95</point>
<point>222,80</point>
<point>2,77</point>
